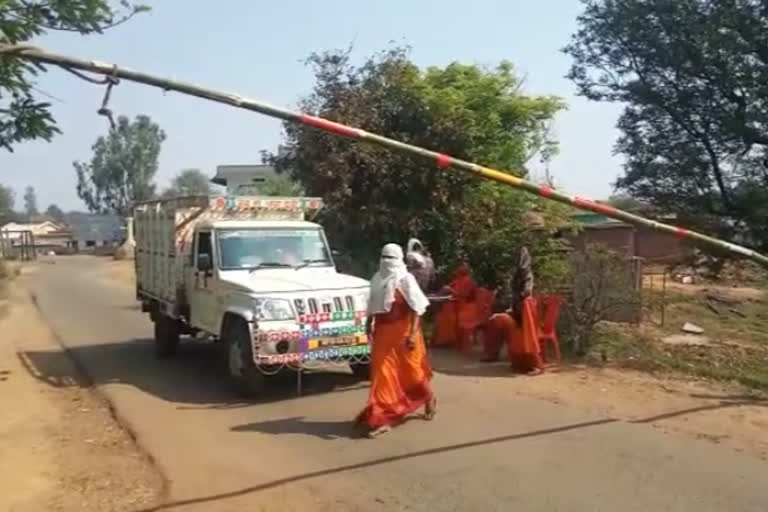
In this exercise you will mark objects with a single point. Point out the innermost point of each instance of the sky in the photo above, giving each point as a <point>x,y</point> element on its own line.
<point>256,49</point>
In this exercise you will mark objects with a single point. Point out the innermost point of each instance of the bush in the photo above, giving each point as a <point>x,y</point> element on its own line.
<point>604,287</point>
<point>492,227</point>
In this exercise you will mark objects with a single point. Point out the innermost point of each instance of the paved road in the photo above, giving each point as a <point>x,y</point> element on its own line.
<point>487,450</point>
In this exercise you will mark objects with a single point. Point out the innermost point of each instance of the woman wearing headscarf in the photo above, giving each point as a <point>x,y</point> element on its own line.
<point>518,326</point>
<point>420,264</point>
<point>454,319</point>
<point>400,372</point>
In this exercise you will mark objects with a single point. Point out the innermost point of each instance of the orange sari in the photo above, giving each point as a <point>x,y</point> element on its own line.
<point>399,376</point>
<point>454,320</point>
<point>522,341</point>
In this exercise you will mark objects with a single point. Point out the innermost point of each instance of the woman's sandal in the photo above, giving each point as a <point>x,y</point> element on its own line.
<point>431,409</point>
<point>379,431</point>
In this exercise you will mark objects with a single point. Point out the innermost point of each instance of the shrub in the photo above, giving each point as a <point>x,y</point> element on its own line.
<point>604,287</point>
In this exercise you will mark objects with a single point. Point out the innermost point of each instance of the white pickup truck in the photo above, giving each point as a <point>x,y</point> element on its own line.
<point>253,273</point>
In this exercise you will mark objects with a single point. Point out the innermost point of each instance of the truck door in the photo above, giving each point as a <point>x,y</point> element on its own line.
<point>202,289</point>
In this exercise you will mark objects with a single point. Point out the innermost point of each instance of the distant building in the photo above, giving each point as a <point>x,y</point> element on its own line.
<point>650,245</point>
<point>45,236</point>
<point>90,231</point>
<point>243,180</point>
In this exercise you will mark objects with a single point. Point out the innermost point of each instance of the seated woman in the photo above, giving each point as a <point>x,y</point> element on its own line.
<point>517,327</point>
<point>454,319</point>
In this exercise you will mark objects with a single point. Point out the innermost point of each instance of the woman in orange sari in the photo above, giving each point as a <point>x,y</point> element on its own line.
<point>518,326</point>
<point>454,319</point>
<point>400,372</point>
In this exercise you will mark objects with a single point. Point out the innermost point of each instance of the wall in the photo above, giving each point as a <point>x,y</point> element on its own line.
<point>652,246</point>
<point>619,237</point>
<point>656,247</point>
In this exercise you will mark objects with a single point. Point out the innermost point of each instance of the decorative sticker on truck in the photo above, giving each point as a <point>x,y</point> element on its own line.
<point>317,343</point>
<point>262,203</point>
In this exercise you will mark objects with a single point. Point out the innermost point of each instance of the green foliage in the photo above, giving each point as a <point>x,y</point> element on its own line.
<point>189,182</point>
<point>280,186</point>
<point>492,226</point>
<point>30,202</point>
<point>54,212</point>
<point>627,203</point>
<point>693,75</point>
<point>7,200</point>
<point>22,115</point>
<point>374,195</point>
<point>123,166</point>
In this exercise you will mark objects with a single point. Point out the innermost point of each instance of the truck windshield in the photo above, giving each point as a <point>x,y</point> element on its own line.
<point>270,248</point>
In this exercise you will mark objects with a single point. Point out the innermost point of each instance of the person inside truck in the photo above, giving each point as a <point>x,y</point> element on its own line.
<point>239,250</point>
<point>288,250</point>
<point>400,371</point>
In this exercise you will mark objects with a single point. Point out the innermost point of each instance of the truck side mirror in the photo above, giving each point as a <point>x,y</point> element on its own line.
<point>204,263</point>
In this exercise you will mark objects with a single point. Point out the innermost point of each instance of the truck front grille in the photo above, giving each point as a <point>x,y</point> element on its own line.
<point>332,305</point>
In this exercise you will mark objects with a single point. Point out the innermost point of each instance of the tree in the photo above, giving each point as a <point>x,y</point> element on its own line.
<point>374,195</point>
<point>22,115</point>
<point>30,202</point>
<point>189,182</point>
<point>56,213</point>
<point>122,168</point>
<point>693,75</point>
<point>7,199</point>
<point>627,203</point>
<point>280,186</point>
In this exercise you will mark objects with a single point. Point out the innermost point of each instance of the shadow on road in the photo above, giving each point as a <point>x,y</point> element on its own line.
<point>194,377</point>
<point>327,430</point>
<point>450,362</point>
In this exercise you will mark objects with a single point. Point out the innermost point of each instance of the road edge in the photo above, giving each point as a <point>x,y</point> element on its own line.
<point>101,396</point>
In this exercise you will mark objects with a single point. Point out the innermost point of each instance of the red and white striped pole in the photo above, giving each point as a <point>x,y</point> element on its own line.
<point>442,160</point>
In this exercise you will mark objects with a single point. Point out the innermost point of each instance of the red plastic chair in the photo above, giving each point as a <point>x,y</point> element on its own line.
<point>550,311</point>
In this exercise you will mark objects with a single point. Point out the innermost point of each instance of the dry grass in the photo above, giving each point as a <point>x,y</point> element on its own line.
<point>735,332</point>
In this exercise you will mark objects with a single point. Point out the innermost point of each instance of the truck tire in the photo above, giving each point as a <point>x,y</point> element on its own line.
<point>166,335</point>
<point>243,373</point>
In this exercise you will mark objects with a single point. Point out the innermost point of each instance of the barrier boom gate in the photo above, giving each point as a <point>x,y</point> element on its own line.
<point>442,160</point>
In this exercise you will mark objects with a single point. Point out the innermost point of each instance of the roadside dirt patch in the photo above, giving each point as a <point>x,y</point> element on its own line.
<point>60,448</point>
<point>122,272</point>
<point>726,414</point>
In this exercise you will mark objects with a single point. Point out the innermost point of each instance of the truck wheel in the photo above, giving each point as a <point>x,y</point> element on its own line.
<point>361,371</point>
<point>166,335</point>
<point>246,378</point>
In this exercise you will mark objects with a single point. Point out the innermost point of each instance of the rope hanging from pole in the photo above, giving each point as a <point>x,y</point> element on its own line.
<point>442,160</point>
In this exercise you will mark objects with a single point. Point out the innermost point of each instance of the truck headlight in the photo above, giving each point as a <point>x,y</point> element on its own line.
<point>273,309</point>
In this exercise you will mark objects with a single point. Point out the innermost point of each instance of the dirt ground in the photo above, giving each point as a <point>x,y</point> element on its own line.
<point>122,271</point>
<point>728,414</point>
<point>60,447</point>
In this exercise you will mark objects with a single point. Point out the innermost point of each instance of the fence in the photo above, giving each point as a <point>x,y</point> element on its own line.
<point>17,245</point>
<point>654,293</point>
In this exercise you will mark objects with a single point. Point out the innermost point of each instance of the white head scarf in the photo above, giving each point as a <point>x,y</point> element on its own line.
<point>414,253</point>
<point>414,245</point>
<point>393,275</point>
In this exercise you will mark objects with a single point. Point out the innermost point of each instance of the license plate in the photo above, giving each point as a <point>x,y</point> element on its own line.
<point>337,342</point>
